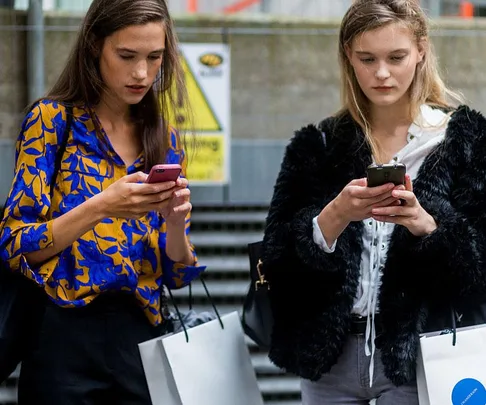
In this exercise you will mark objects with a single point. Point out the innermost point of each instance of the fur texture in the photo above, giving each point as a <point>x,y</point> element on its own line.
<point>312,293</point>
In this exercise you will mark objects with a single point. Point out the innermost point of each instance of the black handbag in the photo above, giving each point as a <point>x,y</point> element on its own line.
<point>22,302</point>
<point>257,314</point>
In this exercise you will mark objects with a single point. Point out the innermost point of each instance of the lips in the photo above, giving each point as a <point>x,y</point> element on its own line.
<point>383,88</point>
<point>137,87</point>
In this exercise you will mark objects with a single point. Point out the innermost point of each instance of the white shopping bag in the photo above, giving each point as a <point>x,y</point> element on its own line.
<point>453,375</point>
<point>213,368</point>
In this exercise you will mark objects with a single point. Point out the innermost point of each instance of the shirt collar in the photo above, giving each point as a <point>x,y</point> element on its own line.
<point>428,119</point>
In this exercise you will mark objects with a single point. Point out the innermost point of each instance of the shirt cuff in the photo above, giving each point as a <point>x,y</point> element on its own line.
<point>178,275</point>
<point>319,239</point>
<point>29,239</point>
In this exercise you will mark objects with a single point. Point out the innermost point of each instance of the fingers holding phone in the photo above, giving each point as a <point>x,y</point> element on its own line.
<point>128,197</point>
<point>168,177</point>
<point>177,205</point>
<point>410,214</point>
<point>169,174</point>
<point>136,194</point>
<point>379,174</point>
<point>355,201</point>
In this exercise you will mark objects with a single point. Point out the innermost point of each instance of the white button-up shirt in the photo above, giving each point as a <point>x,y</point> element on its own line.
<point>423,135</point>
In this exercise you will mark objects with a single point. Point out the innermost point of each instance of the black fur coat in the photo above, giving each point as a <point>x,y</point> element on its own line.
<point>312,292</point>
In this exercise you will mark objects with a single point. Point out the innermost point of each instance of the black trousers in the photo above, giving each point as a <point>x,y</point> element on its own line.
<point>89,355</point>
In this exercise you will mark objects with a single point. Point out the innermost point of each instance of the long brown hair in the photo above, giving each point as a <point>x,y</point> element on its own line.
<point>80,82</point>
<point>427,86</point>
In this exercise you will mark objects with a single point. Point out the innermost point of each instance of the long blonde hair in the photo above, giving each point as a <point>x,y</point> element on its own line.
<point>427,86</point>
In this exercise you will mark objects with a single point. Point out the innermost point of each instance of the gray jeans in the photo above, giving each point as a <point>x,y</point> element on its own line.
<point>348,382</point>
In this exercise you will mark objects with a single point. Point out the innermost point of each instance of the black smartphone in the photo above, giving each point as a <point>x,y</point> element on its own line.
<point>386,173</point>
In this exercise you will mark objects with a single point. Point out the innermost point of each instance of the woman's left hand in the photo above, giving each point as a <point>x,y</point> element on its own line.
<point>409,213</point>
<point>179,204</point>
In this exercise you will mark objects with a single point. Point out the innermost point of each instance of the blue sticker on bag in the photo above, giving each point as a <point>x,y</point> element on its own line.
<point>469,392</point>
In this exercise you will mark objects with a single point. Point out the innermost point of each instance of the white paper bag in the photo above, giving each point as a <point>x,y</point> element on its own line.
<point>213,368</point>
<point>453,375</point>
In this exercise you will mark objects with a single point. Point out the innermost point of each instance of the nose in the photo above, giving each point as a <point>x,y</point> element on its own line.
<point>140,72</point>
<point>383,72</point>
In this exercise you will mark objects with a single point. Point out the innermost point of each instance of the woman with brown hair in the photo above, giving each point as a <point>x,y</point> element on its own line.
<point>98,239</point>
<point>357,272</point>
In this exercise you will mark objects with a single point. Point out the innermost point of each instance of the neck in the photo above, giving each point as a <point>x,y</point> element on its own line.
<point>387,119</point>
<point>112,110</point>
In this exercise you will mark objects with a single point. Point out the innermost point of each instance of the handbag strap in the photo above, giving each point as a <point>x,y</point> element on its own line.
<point>61,147</point>
<point>190,298</point>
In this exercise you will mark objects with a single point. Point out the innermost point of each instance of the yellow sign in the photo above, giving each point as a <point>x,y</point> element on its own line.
<point>203,117</point>
<point>207,161</point>
<point>206,69</point>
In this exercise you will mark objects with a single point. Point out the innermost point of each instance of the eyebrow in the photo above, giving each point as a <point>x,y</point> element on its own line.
<point>128,50</point>
<point>405,50</point>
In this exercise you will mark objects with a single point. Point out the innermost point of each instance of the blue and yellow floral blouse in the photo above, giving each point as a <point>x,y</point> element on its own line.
<point>117,254</point>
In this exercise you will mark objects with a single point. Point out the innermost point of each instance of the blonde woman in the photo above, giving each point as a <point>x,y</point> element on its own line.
<point>358,272</point>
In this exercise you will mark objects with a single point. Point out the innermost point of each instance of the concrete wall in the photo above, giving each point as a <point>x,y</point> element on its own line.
<point>284,72</point>
<point>13,73</point>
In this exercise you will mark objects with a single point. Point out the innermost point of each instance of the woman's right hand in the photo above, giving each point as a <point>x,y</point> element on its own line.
<point>353,203</point>
<point>130,197</point>
<point>356,200</point>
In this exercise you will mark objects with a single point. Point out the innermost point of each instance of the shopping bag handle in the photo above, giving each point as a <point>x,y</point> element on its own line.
<point>454,328</point>
<point>448,331</point>
<point>190,306</point>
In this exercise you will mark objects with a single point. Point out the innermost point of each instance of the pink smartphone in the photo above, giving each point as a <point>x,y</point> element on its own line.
<point>163,173</point>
